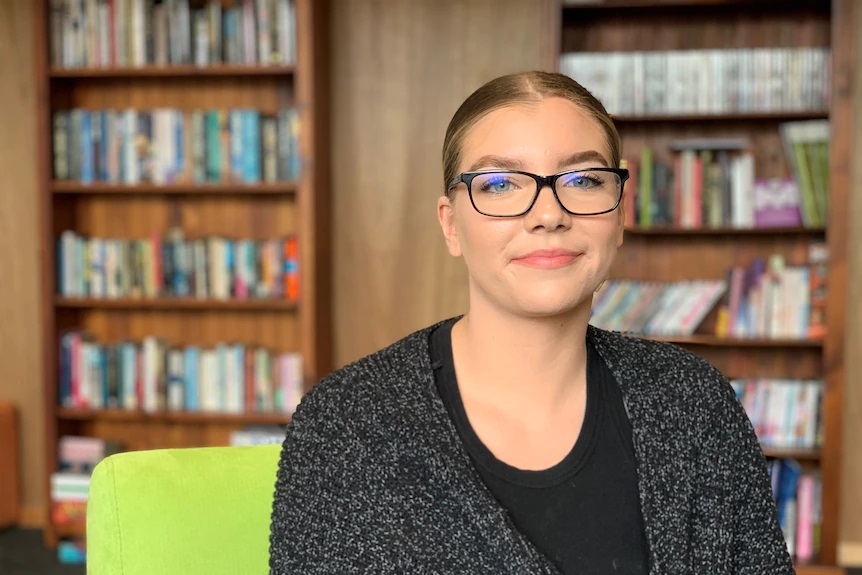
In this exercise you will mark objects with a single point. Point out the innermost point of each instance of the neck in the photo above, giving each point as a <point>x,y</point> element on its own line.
<point>527,361</point>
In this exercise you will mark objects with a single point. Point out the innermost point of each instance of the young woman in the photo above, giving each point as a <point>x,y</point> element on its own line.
<point>517,438</point>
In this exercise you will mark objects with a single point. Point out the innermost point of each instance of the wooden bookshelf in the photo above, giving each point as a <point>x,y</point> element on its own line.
<point>663,254</point>
<point>234,210</point>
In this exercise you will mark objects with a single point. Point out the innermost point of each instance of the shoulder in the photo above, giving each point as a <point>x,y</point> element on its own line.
<point>369,383</point>
<point>659,367</point>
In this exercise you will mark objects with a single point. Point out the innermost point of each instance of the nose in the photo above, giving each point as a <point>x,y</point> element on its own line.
<point>547,213</point>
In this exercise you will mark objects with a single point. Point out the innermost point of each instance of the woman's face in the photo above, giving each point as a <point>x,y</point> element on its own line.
<point>546,262</point>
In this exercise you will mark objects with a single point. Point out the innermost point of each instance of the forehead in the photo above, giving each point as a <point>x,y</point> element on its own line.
<point>550,129</point>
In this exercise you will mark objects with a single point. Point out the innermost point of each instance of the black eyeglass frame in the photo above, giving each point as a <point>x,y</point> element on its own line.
<point>541,181</point>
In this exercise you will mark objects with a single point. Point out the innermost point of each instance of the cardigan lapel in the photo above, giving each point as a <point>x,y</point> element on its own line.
<point>664,451</point>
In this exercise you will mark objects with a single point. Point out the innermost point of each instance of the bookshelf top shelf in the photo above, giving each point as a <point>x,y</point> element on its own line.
<point>176,304</point>
<point>187,417</point>
<point>63,187</point>
<point>223,70</point>
<point>606,5</point>
<point>727,117</point>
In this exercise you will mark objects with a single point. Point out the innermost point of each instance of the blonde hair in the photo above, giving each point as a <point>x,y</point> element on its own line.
<point>522,88</point>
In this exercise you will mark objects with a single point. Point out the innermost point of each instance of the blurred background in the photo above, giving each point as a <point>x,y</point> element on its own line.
<point>205,207</point>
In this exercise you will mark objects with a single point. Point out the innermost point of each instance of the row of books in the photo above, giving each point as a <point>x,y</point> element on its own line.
<point>164,146</point>
<point>785,413</point>
<point>155,376</point>
<point>798,496</point>
<point>173,266</point>
<point>704,81</point>
<point>710,182</point>
<point>655,308</point>
<point>771,299</point>
<point>257,435</point>
<point>706,185</point>
<point>117,33</point>
<point>806,146</point>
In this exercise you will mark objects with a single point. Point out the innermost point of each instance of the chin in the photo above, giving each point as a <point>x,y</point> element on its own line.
<point>550,305</point>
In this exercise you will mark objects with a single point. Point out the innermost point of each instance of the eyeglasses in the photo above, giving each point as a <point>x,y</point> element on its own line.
<point>511,193</point>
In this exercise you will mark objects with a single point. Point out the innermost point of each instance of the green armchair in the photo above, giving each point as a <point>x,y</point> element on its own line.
<point>182,511</point>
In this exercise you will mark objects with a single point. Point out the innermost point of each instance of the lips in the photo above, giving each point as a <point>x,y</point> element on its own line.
<point>553,258</point>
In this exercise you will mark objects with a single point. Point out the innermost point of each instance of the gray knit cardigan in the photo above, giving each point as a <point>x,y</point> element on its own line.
<point>374,478</point>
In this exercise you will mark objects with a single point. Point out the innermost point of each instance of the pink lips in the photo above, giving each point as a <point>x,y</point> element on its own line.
<point>555,258</point>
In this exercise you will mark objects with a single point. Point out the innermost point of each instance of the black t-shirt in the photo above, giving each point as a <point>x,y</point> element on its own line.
<point>583,513</point>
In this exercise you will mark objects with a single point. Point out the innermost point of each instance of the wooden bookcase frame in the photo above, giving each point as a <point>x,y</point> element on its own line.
<point>827,356</point>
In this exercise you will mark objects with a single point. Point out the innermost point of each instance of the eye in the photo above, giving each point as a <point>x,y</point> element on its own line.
<point>497,184</point>
<point>583,180</point>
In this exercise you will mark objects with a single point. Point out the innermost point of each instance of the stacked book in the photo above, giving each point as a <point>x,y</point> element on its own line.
<point>655,308</point>
<point>154,376</point>
<point>119,33</point>
<point>170,146</point>
<point>77,456</point>
<point>173,266</point>
<point>258,435</point>
<point>704,81</point>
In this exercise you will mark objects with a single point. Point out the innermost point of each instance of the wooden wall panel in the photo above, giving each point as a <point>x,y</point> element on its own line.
<point>850,549</point>
<point>20,339</point>
<point>399,72</point>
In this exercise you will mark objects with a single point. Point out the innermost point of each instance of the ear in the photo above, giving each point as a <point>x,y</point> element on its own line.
<point>446,217</point>
<point>621,226</point>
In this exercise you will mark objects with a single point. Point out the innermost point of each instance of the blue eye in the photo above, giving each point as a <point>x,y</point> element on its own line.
<point>497,184</point>
<point>582,180</point>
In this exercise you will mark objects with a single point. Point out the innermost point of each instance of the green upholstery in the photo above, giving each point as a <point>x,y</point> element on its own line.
<point>182,511</point>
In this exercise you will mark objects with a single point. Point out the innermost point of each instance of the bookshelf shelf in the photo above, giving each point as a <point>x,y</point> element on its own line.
<point>233,71</point>
<point>716,341</point>
<point>685,232</point>
<point>73,530</point>
<point>177,304</point>
<point>800,454</point>
<point>180,417</point>
<point>721,118</point>
<point>227,189</point>
<point>813,569</point>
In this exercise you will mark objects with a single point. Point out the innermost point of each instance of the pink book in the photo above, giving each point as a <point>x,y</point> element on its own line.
<point>805,515</point>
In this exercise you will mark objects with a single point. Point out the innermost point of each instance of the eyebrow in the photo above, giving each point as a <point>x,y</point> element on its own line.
<point>507,163</point>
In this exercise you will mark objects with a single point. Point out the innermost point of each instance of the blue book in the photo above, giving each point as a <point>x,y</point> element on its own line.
<point>65,391</point>
<point>230,263</point>
<point>179,146</point>
<point>252,147</point>
<point>237,135</point>
<point>788,481</point>
<point>87,163</point>
<point>191,379</point>
<point>104,144</point>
